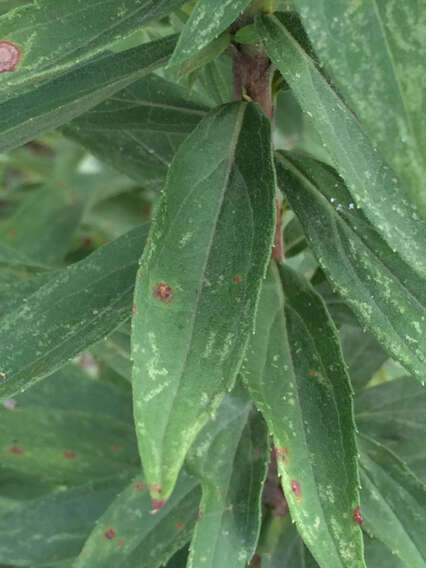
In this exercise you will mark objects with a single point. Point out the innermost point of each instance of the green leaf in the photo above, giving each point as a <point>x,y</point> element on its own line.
<point>230,456</point>
<point>370,182</point>
<point>74,309</point>
<point>377,555</point>
<point>72,440</point>
<point>284,547</point>
<point>57,36</point>
<point>43,226</point>
<point>120,130</point>
<point>207,21</point>
<point>114,350</point>
<point>296,376</point>
<point>129,535</point>
<point>394,414</point>
<point>294,238</point>
<point>216,80</point>
<point>385,293</point>
<point>362,353</point>
<point>54,526</point>
<point>381,50</point>
<point>393,503</point>
<point>198,283</point>
<point>63,98</point>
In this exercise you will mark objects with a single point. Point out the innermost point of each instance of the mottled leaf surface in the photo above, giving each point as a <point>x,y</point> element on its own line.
<point>57,36</point>
<point>61,99</point>
<point>230,457</point>
<point>198,283</point>
<point>207,21</point>
<point>394,414</point>
<point>139,129</point>
<point>74,309</point>
<point>128,535</point>
<point>371,183</point>
<point>296,376</point>
<point>393,503</point>
<point>386,294</point>
<point>378,69</point>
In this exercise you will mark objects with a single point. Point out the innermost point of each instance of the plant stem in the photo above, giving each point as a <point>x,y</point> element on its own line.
<point>252,79</point>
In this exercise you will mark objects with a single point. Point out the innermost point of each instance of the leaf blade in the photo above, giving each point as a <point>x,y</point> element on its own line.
<point>188,270</point>
<point>296,376</point>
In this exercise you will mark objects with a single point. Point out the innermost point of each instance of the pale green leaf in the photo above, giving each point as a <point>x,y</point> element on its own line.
<point>296,375</point>
<point>387,295</point>
<point>208,19</point>
<point>378,68</point>
<point>74,309</point>
<point>393,503</point>
<point>230,457</point>
<point>198,283</point>
<point>371,183</point>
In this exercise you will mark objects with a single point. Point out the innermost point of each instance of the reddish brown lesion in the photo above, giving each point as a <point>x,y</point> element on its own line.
<point>17,450</point>
<point>296,489</point>
<point>109,533</point>
<point>163,292</point>
<point>10,56</point>
<point>69,454</point>
<point>357,516</point>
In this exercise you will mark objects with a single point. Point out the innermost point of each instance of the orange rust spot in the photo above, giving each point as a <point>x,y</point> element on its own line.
<point>139,486</point>
<point>297,490</point>
<point>109,533</point>
<point>313,373</point>
<point>281,453</point>
<point>10,56</point>
<point>163,292</point>
<point>356,515</point>
<point>16,450</point>
<point>11,233</point>
<point>199,515</point>
<point>69,454</point>
<point>116,448</point>
<point>179,525</point>
<point>120,543</point>
<point>134,310</point>
<point>237,279</point>
<point>256,560</point>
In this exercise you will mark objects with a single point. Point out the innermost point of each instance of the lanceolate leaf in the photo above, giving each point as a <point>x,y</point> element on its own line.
<point>198,283</point>
<point>128,535</point>
<point>207,21</point>
<point>381,49</point>
<point>63,98</point>
<point>230,457</point>
<point>371,183</point>
<point>139,129</point>
<point>395,415</point>
<point>74,309</point>
<point>393,503</point>
<point>54,526</point>
<point>386,294</point>
<point>57,36</point>
<point>296,376</point>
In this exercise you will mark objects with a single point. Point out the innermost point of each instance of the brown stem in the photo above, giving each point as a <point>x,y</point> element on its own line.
<point>252,79</point>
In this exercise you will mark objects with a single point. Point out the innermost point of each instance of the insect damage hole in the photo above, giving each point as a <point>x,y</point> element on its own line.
<point>10,56</point>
